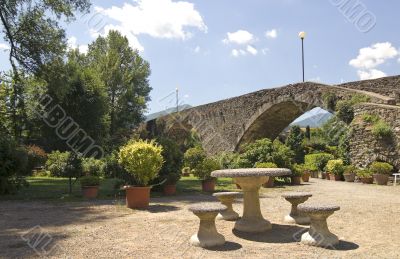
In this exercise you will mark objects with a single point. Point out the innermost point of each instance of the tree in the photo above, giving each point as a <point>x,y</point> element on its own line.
<point>125,74</point>
<point>308,132</point>
<point>345,111</point>
<point>295,142</point>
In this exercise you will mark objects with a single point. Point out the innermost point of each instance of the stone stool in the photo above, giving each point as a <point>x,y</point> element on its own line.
<point>227,198</point>
<point>207,235</point>
<point>318,234</point>
<point>296,198</point>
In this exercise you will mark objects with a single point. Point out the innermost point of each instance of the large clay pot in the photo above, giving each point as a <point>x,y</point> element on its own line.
<point>296,180</point>
<point>137,197</point>
<point>323,175</point>
<point>335,177</point>
<point>306,176</point>
<point>350,177</point>
<point>367,180</point>
<point>169,189</point>
<point>269,183</point>
<point>314,174</point>
<point>208,185</point>
<point>90,192</point>
<point>381,179</point>
<point>327,176</point>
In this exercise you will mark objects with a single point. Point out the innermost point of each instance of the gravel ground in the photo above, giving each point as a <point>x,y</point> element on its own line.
<point>367,225</point>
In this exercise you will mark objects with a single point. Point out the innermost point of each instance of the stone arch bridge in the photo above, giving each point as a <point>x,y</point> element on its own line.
<point>225,125</point>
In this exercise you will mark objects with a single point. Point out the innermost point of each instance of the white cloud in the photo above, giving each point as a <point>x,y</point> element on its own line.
<point>72,44</point>
<point>370,74</point>
<point>271,34</point>
<point>159,19</point>
<point>371,57</point>
<point>240,37</point>
<point>4,47</point>
<point>264,51</point>
<point>133,40</point>
<point>197,49</point>
<point>252,50</point>
<point>238,52</point>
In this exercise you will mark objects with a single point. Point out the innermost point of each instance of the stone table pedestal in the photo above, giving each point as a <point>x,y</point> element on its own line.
<point>296,198</point>
<point>250,180</point>
<point>227,198</point>
<point>207,235</point>
<point>318,234</point>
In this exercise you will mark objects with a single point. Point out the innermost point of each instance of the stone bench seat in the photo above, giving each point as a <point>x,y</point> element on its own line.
<point>318,234</point>
<point>207,235</point>
<point>296,198</point>
<point>227,198</point>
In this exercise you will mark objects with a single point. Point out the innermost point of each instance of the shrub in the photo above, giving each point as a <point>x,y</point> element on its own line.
<point>142,160</point>
<point>93,167</point>
<point>381,168</point>
<point>90,180</point>
<point>186,169</point>
<point>330,100</point>
<point>194,156</point>
<point>295,142</point>
<point>266,165</point>
<point>335,167</point>
<point>368,118</point>
<point>297,169</point>
<point>318,160</point>
<point>364,173</point>
<point>228,160</point>
<point>345,111</point>
<point>36,156</point>
<point>204,169</point>
<point>382,129</point>
<point>112,169</point>
<point>359,98</point>
<point>173,161</point>
<point>57,163</point>
<point>13,164</point>
<point>350,169</point>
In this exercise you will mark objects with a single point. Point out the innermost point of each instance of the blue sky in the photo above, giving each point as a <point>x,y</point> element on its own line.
<point>215,49</point>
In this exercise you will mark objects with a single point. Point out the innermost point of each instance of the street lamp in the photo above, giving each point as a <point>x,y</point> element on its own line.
<point>302,35</point>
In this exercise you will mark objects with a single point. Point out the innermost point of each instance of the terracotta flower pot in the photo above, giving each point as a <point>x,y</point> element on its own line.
<point>169,189</point>
<point>269,183</point>
<point>296,180</point>
<point>335,177</point>
<point>381,179</point>
<point>90,192</point>
<point>208,185</point>
<point>314,174</point>
<point>323,175</point>
<point>350,177</point>
<point>367,180</point>
<point>238,186</point>
<point>306,176</point>
<point>137,197</point>
<point>327,176</point>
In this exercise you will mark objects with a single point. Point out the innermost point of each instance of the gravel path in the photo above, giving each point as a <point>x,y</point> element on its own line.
<point>367,224</point>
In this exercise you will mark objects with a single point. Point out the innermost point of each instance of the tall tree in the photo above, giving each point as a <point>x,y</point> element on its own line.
<point>295,142</point>
<point>125,75</point>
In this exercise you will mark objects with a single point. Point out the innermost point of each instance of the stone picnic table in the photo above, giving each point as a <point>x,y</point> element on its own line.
<point>250,180</point>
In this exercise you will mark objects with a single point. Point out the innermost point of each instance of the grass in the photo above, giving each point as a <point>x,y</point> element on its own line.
<point>56,189</point>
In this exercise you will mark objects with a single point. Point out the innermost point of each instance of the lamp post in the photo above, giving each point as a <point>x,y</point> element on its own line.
<point>302,35</point>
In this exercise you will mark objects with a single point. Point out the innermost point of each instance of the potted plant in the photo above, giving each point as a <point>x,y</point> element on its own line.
<point>297,172</point>
<point>365,176</point>
<point>308,170</point>
<point>90,186</point>
<point>203,172</point>
<point>350,173</point>
<point>270,182</point>
<point>186,171</point>
<point>169,187</point>
<point>381,172</point>
<point>335,169</point>
<point>142,160</point>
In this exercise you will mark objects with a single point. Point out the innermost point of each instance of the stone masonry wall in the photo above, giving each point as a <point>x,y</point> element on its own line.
<point>366,147</point>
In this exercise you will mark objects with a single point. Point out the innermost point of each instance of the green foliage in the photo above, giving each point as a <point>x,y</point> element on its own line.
<point>142,160</point>
<point>314,145</point>
<point>93,167</point>
<point>90,180</point>
<point>228,160</point>
<point>381,168</point>
<point>359,98</point>
<point>57,163</point>
<point>370,118</point>
<point>307,134</point>
<point>335,167</point>
<point>345,111</point>
<point>382,130</point>
<point>112,169</point>
<point>350,169</point>
<point>343,150</point>
<point>298,169</point>
<point>194,156</point>
<point>36,157</point>
<point>333,130</point>
<point>13,164</point>
<point>203,170</point>
<point>173,161</point>
<point>318,160</point>
<point>266,165</point>
<point>364,173</point>
<point>295,142</point>
<point>330,100</point>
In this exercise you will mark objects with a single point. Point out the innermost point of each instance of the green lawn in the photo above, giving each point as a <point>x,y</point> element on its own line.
<point>56,189</point>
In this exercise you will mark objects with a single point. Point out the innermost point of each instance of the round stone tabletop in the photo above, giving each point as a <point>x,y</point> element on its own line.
<point>234,194</point>
<point>296,194</point>
<point>207,207</point>
<point>251,172</point>
<point>316,207</point>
